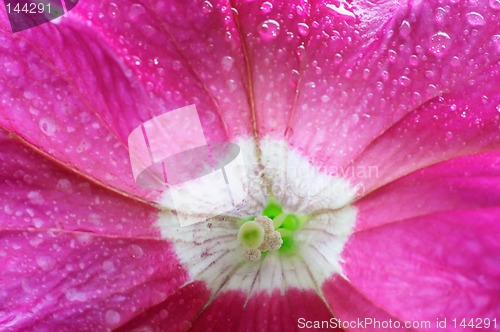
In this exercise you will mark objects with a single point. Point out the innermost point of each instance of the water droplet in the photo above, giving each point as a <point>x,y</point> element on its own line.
<point>341,10</point>
<point>231,85</point>
<point>325,98</point>
<point>355,118</point>
<point>392,56</point>
<point>439,43</point>
<point>475,19</point>
<point>303,29</point>
<point>136,61</point>
<point>37,222</point>
<point>113,9</point>
<point>207,7</point>
<point>108,266</point>
<point>366,73</point>
<point>449,135</point>
<point>413,60</point>
<point>300,51</point>
<point>135,11</point>
<point>348,73</point>
<point>83,146</point>
<point>440,14</point>
<point>404,81</point>
<point>266,7</point>
<point>337,58</point>
<point>495,4</point>
<point>112,317</point>
<point>455,61</point>
<point>496,42</point>
<point>405,29</point>
<point>35,197</point>
<point>269,29</point>
<point>227,63</point>
<point>46,263</point>
<point>136,251</point>
<point>431,91</point>
<point>47,126</point>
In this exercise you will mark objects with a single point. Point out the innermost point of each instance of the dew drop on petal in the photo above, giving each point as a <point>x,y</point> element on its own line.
<point>496,42</point>
<point>37,222</point>
<point>440,14</point>
<point>337,58</point>
<point>35,197</point>
<point>404,81</point>
<point>495,4</point>
<point>231,85</point>
<point>300,51</point>
<point>269,29</point>
<point>475,19</point>
<point>47,126</point>
<point>112,317</point>
<point>83,146</point>
<point>392,56</point>
<point>113,9</point>
<point>108,266</point>
<point>135,251</point>
<point>405,29</point>
<point>342,11</point>
<point>135,11</point>
<point>303,29</point>
<point>207,7</point>
<point>227,63</point>
<point>46,263</point>
<point>413,60</point>
<point>266,7</point>
<point>355,118</point>
<point>439,43</point>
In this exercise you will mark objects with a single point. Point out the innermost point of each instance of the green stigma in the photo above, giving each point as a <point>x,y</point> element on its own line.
<point>274,230</point>
<point>251,234</point>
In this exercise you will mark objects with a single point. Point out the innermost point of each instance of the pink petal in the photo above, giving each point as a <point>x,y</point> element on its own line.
<point>263,311</point>
<point>350,305</point>
<point>372,95</point>
<point>447,127</point>
<point>104,284</point>
<point>37,192</point>
<point>176,313</point>
<point>183,52</point>
<point>271,41</point>
<point>470,182</point>
<point>441,265</point>
<point>73,100</point>
<point>281,40</point>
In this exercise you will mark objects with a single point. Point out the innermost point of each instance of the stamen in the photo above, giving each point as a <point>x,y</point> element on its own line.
<point>252,255</point>
<point>266,223</point>
<point>273,231</point>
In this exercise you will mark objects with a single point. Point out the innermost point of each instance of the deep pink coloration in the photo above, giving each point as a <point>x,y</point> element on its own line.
<point>407,86</point>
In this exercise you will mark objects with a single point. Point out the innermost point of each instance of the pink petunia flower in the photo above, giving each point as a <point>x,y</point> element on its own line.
<point>372,132</point>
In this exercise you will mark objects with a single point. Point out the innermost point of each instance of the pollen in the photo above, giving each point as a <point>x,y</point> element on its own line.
<point>266,223</point>
<point>252,255</point>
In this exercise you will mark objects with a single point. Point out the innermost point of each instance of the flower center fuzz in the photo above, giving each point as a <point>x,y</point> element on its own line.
<point>274,230</point>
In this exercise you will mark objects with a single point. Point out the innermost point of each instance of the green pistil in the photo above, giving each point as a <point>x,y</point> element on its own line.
<point>251,234</point>
<point>272,209</point>
<point>253,231</point>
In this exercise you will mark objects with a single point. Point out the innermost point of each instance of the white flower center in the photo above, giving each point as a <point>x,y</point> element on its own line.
<point>212,252</point>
